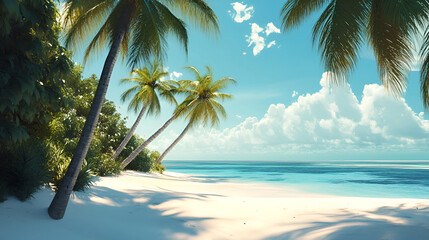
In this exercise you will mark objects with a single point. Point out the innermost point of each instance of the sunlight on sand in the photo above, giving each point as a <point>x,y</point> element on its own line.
<point>177,206</point>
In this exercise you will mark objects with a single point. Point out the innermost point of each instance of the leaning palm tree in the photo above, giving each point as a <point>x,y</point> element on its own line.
<point>390,27</point>
<point>136,28</point>
<point>185,106</point>
<point>148,85</point>
<point>201,106</point>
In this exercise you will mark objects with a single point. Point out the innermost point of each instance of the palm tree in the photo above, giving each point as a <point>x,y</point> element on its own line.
<point>390,27</point>
<point>148,85</point>
<point>136,28</point>
<point>201,106</point>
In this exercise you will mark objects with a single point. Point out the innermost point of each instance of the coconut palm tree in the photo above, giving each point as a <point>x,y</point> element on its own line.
<point>136,28</point>
<point>148,85</point>
<point>390,27</point>
<point>201,106</point>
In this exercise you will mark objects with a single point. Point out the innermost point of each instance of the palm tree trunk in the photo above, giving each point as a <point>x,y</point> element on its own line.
<point>59,204</point>
<point>130,133</point>
<point>159,160</point>
<point>145,143</point>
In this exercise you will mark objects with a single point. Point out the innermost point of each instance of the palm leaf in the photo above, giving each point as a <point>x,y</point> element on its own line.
<point>339,32</point>
<point>294,11</point>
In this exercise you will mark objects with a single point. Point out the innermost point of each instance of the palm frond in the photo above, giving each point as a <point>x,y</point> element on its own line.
<point>222,96</point>
<point>424,72</point>
<point>149,35</point>
<point>339,33</point>
<point>222,83</point>
<point>194,71</point>
<point>200,106</point>
<point>80,16</point>
<point>198,12</point>
<point>294,11</point>
<point>151,98</point>
<point>392,45</point>
<point>218,108</point>
<point>130,92</point>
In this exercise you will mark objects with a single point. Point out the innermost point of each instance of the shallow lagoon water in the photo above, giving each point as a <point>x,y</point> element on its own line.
<point>391,179</point>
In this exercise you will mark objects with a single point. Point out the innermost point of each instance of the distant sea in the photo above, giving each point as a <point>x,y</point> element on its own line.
<point>388,179</point>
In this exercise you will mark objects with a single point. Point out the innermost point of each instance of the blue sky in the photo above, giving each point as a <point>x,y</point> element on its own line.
<point>283,108</point>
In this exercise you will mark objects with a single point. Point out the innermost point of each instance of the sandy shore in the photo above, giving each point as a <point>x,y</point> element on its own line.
<point>176,206</point>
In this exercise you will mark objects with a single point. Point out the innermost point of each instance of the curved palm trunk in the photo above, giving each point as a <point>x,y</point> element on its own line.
<point>159,160</point>
<point>130,133</point>
<point>59,204</point>
<point>145,143</point>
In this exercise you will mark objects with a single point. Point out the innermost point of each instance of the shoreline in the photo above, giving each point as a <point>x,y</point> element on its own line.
<point>137,205</point>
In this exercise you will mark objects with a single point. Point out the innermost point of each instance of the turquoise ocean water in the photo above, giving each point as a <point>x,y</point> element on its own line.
<point>398,179</point>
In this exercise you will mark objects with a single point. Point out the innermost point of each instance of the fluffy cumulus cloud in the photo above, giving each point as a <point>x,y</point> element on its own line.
<point>330,120</point>
<point>257,40</point>
<point>241,12</point>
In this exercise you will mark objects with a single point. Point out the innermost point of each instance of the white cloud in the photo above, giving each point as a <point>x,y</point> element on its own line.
<point>242,12</point>
<point>294,93</point>
<point>255,39</point>
<point>330,120</point>
<point>244,53</point>
<point>258,40</point>
<point>270,28</point>
<point>175,75</point>
<point>272,43</point>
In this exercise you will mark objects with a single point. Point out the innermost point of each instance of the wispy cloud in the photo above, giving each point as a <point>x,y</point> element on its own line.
<point>270,28</point>
<point>294,93</point>
<point>257,40</point>
<point>272,43</point>
<point>241,12</point>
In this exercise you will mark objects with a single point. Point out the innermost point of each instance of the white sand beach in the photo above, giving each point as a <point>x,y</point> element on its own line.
<point>176,206</point>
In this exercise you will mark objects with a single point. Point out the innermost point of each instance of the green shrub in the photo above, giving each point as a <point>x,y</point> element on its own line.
<point>57,166</point>
<point>24,169</point>
<point>3,185</point>
<point>84,179</point>
<point>157,167</point>
<point>104,166</point>
<point>141,163</point>
<point>3,190</point>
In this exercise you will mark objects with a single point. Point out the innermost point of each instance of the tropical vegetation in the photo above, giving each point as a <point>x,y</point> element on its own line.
<point>138,30</point>
<point>43,106</point>
<point>43,159</point>
<point>201,105</point>
<point>149,85</point>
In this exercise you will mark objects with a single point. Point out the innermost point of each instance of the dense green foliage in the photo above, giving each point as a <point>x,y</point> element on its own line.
<point>32,66</point>
<point>43,106</point>
<point>66,126</point>
<point>23,169</point>
<point>27,166</point>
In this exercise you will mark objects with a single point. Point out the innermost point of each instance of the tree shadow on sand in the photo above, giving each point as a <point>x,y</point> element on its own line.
<point>385,223</point>
<point>101,213</point>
